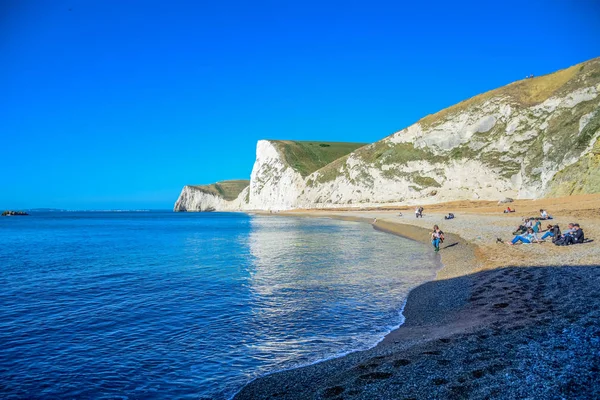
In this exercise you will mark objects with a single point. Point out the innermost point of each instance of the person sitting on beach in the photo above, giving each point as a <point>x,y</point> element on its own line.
<point>552,231</point>
<point>523,227</point>
<point>526,238</point>
<point>508,210</point>
<point>570,229</point>
<point>561,239</point>
<point>537,226</point>
<point>437,237</point>
<point>449,216</point>
<point>576,236</point>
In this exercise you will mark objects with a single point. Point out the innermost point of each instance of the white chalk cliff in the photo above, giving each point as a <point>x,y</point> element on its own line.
<point>533,138</point>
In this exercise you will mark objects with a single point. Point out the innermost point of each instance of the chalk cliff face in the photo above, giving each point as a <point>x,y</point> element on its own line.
<point>274,185</point>
<point>220,196</point>
<point>533,138</point>
<point>193,199</point>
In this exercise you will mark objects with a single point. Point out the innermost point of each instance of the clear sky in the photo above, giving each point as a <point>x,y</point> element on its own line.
<point>119,104</point>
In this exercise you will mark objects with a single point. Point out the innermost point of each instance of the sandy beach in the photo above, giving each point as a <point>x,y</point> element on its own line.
<point>498,322</point>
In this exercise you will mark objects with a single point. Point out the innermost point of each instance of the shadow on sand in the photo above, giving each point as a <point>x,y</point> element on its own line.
<point>512,332</point>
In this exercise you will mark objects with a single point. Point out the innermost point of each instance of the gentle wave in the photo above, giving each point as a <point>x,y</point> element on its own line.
<point>165,305</point>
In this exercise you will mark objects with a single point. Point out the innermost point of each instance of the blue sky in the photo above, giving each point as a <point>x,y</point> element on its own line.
<point>118,104</point>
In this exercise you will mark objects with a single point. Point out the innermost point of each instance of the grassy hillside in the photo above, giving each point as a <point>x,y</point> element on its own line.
<point>560,139</point>
<point>526,92</point>
<point>228,190</point>
<point>583,177</point>
<point>307,157</point>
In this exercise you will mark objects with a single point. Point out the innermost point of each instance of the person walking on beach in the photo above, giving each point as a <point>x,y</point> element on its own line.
<point>437,237</point>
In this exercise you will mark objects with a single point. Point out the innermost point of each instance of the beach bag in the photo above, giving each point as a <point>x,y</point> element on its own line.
<point>561,241</point>
<point>556,232</point>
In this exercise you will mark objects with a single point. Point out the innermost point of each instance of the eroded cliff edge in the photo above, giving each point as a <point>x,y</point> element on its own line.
<point>532,138</point>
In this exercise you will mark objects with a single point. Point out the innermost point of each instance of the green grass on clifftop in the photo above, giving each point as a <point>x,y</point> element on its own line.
<point>525,92</point>
<point>228,190</point>
<point>559,140</point>
<point>307,157</point>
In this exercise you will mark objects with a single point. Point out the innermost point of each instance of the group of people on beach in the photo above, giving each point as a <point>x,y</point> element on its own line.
<point>528,232</point>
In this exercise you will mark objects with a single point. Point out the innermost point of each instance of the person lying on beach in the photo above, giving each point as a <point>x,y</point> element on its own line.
<point>527,238</point>
<point>449,216</point>
<point>552,231</point>
<point>544,215</point>
<point>437,237</point>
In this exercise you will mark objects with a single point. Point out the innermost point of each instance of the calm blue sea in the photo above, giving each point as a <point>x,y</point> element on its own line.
<point>175,305</point>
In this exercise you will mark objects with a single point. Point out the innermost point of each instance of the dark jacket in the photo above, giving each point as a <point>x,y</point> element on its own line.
<point>578,236</point>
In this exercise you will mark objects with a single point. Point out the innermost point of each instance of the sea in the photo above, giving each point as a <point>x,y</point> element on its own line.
<point>163,305</point>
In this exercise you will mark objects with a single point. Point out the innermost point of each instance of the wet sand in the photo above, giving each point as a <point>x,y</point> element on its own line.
<point>499,321</point>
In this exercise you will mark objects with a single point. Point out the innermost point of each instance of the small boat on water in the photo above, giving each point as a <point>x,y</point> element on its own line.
<point>9,213</point>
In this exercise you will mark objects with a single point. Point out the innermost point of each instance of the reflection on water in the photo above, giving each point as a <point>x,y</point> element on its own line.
<point>321,288</point>
<point>169,305</point>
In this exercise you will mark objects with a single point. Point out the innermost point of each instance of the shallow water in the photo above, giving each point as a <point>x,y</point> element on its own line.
<point>172,305</point>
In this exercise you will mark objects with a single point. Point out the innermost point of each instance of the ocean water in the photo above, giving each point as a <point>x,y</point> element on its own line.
<point>173,305</point>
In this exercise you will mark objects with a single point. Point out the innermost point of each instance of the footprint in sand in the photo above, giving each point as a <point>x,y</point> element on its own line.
<point>375,376</point>
<point>439,381</point>
<point>333,391</point>
<point>401,363</point>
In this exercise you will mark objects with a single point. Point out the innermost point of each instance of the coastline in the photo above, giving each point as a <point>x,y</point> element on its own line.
<point>483,328</point>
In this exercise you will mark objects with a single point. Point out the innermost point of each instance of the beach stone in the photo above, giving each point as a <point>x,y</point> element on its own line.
<point>506,200</point>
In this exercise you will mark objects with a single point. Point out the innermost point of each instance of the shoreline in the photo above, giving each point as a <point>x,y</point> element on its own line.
<point>361,220</point>
<point>475,299</point>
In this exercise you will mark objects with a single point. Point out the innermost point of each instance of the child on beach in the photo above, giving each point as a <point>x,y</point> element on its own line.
<point>437,237</point>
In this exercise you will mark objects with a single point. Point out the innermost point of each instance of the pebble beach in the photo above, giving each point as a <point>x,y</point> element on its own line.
<point>498,322</point>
